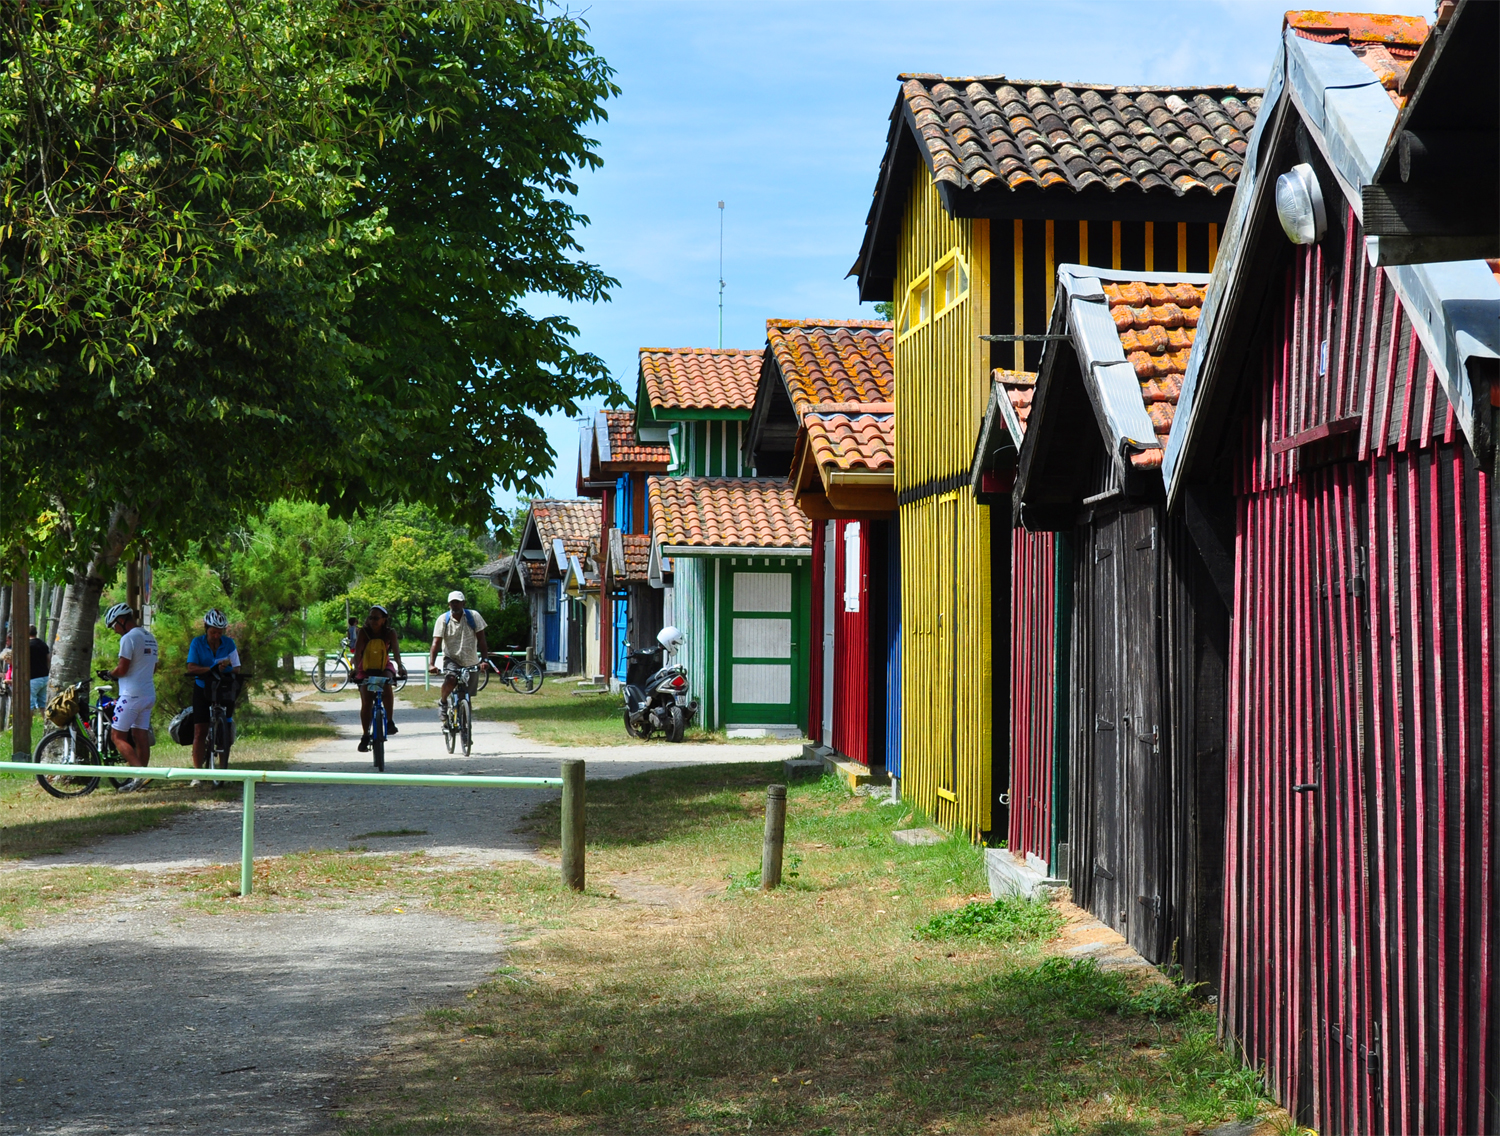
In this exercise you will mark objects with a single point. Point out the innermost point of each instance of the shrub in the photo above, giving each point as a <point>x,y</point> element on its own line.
<point>1011,919</point>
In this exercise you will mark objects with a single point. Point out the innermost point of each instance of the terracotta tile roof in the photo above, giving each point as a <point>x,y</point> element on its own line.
<point>536,573</point>
<point>726,512</point>
<point>843,362</point>
<point>700,378</point>
<point>637,547</point>
<point>1386,44</point>
<point>1157,323</point>
<point>1174,140</point>
<point>852,441</point>
<point>623,445</point>
<point>1019,386</point>
<point>576,522</point>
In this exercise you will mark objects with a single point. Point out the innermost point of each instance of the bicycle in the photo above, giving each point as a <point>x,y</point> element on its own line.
<point>521,672</point>
<point>72,745</point>
<point>223,694</point>
<point>375,684</point>
<point>458,716</point>
<point>335,673</point>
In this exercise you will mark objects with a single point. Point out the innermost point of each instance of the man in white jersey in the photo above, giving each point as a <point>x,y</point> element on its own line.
<point>136,672</point>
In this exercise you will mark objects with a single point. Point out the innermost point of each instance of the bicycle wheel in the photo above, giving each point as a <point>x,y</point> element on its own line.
<point>399,683</point>
<point>64,747</point>
<point>466,726</point>
<point>526,677</point>
<point>377,737</point>
<point>218,742</point>
<point>335,676</point>
<point>484,679</point>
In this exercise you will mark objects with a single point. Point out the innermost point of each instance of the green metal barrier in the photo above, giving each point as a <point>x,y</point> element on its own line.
<point>571,783</point>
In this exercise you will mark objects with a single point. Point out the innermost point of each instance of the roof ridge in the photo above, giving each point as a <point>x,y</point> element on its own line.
<point>705,350</point>
<point>1077,85</point>
<point>881,324</point>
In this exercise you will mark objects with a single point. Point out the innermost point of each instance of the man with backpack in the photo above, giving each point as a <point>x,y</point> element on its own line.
<point>459,634</point>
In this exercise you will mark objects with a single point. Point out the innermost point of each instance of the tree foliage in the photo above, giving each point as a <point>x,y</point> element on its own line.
<point>251,250</point>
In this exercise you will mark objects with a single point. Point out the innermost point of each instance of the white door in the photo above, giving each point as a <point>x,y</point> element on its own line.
<point>830,579</point>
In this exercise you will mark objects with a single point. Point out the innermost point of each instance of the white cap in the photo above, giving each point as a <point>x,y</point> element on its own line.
<point>459,596</point>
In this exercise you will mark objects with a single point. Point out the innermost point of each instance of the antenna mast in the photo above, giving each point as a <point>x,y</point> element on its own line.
<point>721,275</point>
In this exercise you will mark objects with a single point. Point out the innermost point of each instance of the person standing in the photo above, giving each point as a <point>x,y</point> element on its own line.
<point>41,660</point>
<point>213,650</point>
<point>136,672</point>
<point>459,634</point>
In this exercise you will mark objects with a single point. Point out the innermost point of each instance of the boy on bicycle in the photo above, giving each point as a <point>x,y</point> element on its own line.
<point>213,650</point>
<point>459,634</point>
<point>136,671</point>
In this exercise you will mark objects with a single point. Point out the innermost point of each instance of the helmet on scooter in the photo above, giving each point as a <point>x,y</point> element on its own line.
<point>670,638</point>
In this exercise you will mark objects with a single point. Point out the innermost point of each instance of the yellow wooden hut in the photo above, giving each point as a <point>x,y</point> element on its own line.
<point>987,184</point>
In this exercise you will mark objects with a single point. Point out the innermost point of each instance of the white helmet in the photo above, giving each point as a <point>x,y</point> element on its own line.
<point>215,618</point>
<point>115,612</point>
<point>670,638</point>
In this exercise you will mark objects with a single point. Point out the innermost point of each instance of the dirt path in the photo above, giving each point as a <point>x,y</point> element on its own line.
<point>145,1015</point>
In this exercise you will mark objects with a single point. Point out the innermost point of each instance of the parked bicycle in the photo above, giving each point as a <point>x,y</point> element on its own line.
<point>223,694</point>
<point>517,669</point>
<point>335,674</point>
<point>82,739</point>
<point>458,716</point>
<point>379,725</point>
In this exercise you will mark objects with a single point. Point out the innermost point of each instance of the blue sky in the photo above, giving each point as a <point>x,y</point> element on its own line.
<point>781,110</point>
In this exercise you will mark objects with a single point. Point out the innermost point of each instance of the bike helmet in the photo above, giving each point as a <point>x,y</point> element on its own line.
<point>215,618</point>
<point>115,612</point>
<point>670,638</point>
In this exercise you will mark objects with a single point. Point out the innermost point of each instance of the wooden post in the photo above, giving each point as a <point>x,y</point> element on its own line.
<point>770,853</point>
<point>572,824</point>
<point>20,667</point>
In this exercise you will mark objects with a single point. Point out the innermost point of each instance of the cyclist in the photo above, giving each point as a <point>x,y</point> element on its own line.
<point>376,650</point>
<point>459,634</point>
<point>136,670</point>
<point>207,652</point>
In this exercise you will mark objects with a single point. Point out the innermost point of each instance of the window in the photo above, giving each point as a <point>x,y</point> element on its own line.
<point>918,307</point>
<point>952,281</point>
<point>933,293</point>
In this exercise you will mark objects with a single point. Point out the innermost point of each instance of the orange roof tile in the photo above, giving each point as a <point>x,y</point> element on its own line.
<point>841,362</point>
<point>623,446</point>
<point>1019,386</point>
<point>852,441</point>
<point>1156,324</point>
<point>726,512</point>
<point>700,378</point>
<point>637,547</point>
<point>1387,45</point>
<point>576,522</point>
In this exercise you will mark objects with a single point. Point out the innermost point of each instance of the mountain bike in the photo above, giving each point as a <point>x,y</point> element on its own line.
<point>458,715</point>
<point>517,669</point>
<point>336,672</point>
<point>223,694</point>
<point>375,684</point>
<point>72,745</point>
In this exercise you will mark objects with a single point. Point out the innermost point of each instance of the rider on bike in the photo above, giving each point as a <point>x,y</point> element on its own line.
<point>131,725</point>
<point>376,652</point>
<point>459,634</point>
<point>207,652</point>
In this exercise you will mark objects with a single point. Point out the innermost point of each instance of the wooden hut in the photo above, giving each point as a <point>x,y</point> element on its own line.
<point>1334,455</point>
<point>823,414</point>
<point>988,184</point>
<point>555,529</point>
<point>738,549</point>
<point>1145,748</point>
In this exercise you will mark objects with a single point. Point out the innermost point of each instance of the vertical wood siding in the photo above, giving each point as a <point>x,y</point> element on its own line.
<point>942,386</point>
<point>1033,678</point>
<point>815,635</point>
<point>1360,893</point>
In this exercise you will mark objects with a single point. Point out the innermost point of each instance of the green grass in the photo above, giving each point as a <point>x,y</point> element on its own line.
<point>807,1009</point>
<point>32,823</point>
<point>28,897</point>
<point>1007,920</point>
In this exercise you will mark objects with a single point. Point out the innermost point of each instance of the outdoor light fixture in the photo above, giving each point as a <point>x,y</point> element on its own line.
<point>1299,205</point>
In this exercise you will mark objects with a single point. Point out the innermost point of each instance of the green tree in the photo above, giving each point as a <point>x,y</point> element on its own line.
<point>252,250</point>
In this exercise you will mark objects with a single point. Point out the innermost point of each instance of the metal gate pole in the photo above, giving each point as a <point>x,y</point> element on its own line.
<point>247,840</point>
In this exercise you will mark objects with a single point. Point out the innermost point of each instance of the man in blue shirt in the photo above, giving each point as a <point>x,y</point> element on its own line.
<point>213,650</point>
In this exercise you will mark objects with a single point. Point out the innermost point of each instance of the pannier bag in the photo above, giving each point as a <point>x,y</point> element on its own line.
<point>180,730</point>
<point>62,707</point>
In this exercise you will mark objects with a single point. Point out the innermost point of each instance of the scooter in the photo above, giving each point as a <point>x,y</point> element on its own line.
<point>658,699</point>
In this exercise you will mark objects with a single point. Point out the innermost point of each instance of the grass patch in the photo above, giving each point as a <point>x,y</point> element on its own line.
<point>1008,920</point>
<point>28,897</point>
<point>705,1007</point>
<point>32,823</point>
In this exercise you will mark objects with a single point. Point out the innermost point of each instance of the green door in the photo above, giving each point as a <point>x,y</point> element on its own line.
<point>763,676</point>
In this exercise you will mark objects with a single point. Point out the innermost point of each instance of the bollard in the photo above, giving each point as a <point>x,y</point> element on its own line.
<point>322,668</point>
<point>770,853</point>
<point>247,840</point>
<point>572,824</point>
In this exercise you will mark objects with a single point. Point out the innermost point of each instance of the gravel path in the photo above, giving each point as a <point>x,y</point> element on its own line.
<point>148,1016</point>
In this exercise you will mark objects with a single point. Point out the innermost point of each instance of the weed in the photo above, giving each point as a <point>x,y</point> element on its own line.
<point>1010,919</point>
<point>1079,989</point>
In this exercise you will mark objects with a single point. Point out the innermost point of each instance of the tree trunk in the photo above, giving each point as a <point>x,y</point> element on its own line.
<point>56,613</point>
<point>73,657</point>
